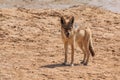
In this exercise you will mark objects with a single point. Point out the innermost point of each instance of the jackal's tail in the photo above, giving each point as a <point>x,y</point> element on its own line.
<point>91,49</point>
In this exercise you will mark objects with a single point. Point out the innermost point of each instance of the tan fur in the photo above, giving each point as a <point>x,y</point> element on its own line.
<point>76,34</point>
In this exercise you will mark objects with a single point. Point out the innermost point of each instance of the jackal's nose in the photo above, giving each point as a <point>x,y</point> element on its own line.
<point>67,34</point>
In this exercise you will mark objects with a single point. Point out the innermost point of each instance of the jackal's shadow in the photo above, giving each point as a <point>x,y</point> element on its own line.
<point>53,65</point>
<point>57,65</point>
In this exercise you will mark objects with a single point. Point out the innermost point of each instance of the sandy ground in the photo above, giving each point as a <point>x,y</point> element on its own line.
<point>31,46</point>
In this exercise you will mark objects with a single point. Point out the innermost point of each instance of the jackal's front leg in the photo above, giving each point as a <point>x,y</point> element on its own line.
<point>72,54</point>
<point>66,51</point>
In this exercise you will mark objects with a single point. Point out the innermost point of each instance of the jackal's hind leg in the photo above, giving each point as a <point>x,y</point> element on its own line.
<point>82,48</point>
<point>87,53</point>
<point>83,61</point>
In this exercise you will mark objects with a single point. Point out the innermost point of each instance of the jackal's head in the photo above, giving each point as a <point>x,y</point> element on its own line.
<point>67,25</point>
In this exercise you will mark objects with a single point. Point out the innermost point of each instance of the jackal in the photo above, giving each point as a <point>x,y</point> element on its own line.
<point>72,33</point>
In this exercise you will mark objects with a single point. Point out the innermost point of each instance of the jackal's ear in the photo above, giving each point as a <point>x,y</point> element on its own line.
<point>71,20</point>
<point>62,20</point>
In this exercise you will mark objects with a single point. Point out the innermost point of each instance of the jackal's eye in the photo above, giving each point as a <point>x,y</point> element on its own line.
<point>70,28</point>
<point>65,28</point>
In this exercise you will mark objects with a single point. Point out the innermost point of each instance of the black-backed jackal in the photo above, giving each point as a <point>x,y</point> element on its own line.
<point>71,34</point>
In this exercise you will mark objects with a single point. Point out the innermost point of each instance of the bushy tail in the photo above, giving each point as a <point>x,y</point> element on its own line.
<point>91,49</point>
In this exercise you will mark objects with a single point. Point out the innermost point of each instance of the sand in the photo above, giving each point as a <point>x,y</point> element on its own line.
<point>31,47</point>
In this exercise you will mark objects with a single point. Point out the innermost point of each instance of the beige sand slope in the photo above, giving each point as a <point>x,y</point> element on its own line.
<point>31,46</point>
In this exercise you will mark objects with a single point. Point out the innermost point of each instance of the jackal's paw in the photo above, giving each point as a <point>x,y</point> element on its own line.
<point>82,62</point>
<point>65,63</point>
<point>71,64</point>
<point>85,64</point>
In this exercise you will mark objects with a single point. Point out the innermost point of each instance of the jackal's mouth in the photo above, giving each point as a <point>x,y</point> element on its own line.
<point>67,34</point>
